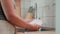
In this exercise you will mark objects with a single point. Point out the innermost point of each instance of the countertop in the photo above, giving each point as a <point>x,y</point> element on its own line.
<point>43,32</point>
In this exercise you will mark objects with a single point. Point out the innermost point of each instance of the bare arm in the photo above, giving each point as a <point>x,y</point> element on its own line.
<point>13,18</point>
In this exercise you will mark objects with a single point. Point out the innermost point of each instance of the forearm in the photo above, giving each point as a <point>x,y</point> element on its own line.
<point>20,22</point>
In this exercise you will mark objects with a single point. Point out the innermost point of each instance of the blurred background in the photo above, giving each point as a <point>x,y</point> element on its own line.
<point>43,9</point>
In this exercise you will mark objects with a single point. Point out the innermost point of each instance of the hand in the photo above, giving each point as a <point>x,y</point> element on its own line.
<point>36,27</point>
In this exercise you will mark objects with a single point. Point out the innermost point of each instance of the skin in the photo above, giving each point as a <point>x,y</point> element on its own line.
<point>8,8</point>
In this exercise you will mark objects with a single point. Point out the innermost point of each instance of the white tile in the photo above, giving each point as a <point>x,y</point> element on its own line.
<point>49,22</point>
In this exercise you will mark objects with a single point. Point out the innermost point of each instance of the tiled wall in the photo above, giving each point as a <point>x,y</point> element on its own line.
<point>49,14</point>
<point>45,10</point>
